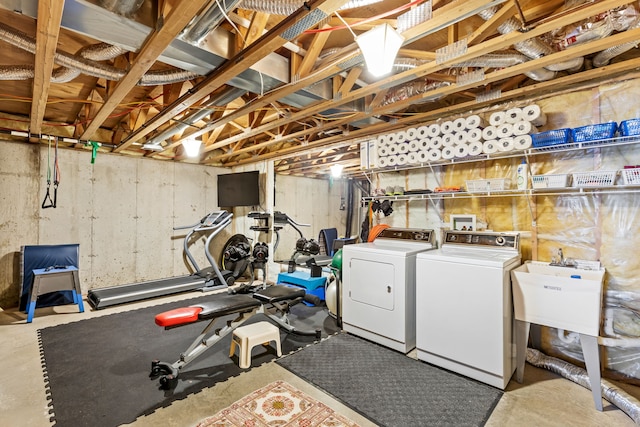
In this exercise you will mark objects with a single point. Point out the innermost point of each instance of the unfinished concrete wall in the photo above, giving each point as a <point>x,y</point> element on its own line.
<point>120,210</point>
<point>307,201</point>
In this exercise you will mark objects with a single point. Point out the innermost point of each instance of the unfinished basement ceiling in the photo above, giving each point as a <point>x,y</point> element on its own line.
<point>284,80</point>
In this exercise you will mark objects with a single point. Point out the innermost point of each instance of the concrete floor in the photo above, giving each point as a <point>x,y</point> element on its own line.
<point>544,399</point>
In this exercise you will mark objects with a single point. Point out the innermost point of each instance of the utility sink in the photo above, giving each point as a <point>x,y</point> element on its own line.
<point>560,297</point>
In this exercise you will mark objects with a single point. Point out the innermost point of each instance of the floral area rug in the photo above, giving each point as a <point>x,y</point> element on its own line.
<point>277,404</point>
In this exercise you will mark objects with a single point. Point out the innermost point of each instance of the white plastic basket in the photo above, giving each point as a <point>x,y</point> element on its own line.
<point>550,181</point>
<point>631,176</point>
<point>487,185</point>
<point>594,179</point>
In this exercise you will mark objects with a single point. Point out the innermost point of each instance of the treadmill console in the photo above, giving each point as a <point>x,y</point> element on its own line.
<point>483,239</point>
<point>413,234</point>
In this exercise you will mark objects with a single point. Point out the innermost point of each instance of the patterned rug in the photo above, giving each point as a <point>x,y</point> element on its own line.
<point>278,404</point>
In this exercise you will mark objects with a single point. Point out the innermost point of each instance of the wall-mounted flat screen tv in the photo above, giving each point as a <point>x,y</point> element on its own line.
<point>239,189</point>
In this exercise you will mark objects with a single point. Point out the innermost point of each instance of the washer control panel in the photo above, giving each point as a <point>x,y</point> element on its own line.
<point>483,239</point>
<point>411,234</point>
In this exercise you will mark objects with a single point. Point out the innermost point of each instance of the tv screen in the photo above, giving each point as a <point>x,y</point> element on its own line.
<point>239,189</point>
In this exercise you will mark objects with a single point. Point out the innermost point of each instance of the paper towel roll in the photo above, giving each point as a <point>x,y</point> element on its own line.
<point>506,144</point>
<point>392,160</point>
<point>401,136</point>
<point>402,160</point>
<point>490,147</point>
<point>403,148</point>
<point>474,121</point>
<point>393,149</point>
<point>497,118</point>
<point>413,158</point>
<point>534,114</point>
<point>383,162</point>
<point>489,133</point>
<point>475,148</point>
<point>446,127</point>
<point>448,153</point>
<point>383,151</point>
<point>474,134</point>
<point>513,115</point>
<point>414,146</point>
<point>424,143</point>
<point>435,142</point>
<point>423,132</point>
<point>459,124</point>
<point>461,137</point>
<point>522,142</point>
<point>434,155</point>
<point>392,138</point>
<point>434,130</point>
<point>423,156</point>
<point>382,140</point>
<point>523,127</point>
<point>412,133</point>
<point>461,150</point>
<point>504,130</point>
<point>448,140</point>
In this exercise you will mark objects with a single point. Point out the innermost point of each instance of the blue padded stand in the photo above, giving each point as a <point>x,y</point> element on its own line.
<point>47,280</point>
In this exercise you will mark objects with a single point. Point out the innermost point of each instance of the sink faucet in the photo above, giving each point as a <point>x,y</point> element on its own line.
<point>560,260</point>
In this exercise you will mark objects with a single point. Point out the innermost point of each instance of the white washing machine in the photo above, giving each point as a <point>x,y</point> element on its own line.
<point>379,285</point>
<point>464,305</point>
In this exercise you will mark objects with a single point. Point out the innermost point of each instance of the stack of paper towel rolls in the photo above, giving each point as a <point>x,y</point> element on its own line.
<point>461,137</point>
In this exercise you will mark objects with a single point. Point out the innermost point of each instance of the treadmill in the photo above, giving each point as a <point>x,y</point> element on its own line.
<point>207,279</point>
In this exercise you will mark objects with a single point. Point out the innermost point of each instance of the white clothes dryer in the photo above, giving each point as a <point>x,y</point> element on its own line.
<point>379,285</point>
<point>464,305</point>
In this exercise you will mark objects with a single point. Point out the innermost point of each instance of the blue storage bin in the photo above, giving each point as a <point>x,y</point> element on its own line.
<point>594,132</point>
<point>630,127</point>
<point>551,138</point>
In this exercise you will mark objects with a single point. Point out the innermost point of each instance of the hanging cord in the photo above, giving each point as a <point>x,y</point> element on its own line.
<point>47,202</point>
<point>56,174</point>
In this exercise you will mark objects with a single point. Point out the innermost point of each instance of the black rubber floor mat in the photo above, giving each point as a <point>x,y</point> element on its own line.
<point>390,388</point>
<point>97,370</point>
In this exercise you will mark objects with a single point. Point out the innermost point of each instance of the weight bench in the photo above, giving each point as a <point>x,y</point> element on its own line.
<point>282,298</point>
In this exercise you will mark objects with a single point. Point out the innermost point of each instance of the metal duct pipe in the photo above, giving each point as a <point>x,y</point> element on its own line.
<point>202,25</point>
<point>412,89</point>
<point>603,58</point>
<point>501,60</point>
<point>221,100</point>
<point>122,7</point>
<point>287,7</point>
<point>96,52</point>
<point>89,67</point>
<point>627,403</point>
<point>533,48</point>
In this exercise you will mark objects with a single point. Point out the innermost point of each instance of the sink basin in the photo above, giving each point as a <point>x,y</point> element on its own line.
<point>548,295</point>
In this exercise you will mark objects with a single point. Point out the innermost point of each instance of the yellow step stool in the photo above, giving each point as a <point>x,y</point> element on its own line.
<point>247,337</point>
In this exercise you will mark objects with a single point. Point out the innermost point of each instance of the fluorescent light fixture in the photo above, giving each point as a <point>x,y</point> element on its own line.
<point>336,170</point>
<point>191,147</point>
<point>379,46</point>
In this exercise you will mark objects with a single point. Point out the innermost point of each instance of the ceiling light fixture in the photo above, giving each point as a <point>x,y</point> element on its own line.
<point>191,147</point>
<point>379,46</point>
<point>336,170</point>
